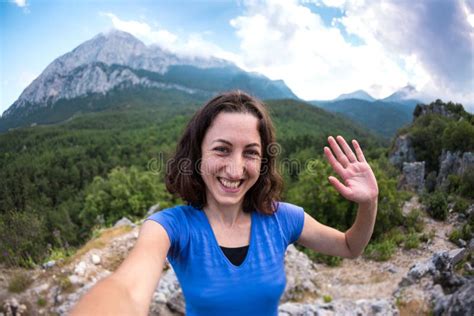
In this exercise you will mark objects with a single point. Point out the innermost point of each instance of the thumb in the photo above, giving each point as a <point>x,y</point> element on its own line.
<point>341,188</point>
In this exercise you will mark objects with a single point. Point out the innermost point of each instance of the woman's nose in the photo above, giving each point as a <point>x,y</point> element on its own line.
<point>236,167</point>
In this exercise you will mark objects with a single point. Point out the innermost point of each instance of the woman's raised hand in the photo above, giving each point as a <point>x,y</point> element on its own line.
<point>358,181</point>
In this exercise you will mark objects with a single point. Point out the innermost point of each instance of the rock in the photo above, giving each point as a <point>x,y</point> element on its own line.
<point>124,222</point>
<point>153,209</point>
<point>76,280</point>
<point>11,307</point>
<point>80,268</point>
<point>390,268</point>
<point>461,243</point>
<point>41,288</point>
<point>456,255</point>
<point>456,163</point>
<point>420,269</point>
<point>444,275</point>
<point>413,177</point>
<point>95,259</point>
<point>300,276</point>
<point>403,152</point>
<point>339,307</point>
<point>462,301</point>
<point>468,268</point>
<point>49,264</point>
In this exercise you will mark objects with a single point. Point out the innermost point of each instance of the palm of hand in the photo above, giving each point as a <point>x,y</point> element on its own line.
<point>359,183</point>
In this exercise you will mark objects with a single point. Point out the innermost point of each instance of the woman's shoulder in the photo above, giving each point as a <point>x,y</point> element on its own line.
<point>177,211</point>
<point>285,208</point>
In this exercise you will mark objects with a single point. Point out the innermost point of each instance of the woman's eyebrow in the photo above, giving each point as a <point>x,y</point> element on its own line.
<point>230,144</point>
<point>222,141</point>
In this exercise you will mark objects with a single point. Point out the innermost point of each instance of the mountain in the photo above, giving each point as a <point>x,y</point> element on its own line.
<point>118,61</point>
<point>383,118</point>
<point>359,94</point>
<point>404,96</point>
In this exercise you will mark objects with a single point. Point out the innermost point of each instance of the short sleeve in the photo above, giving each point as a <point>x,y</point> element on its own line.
<point>291,218</point>
<point>174,222</point>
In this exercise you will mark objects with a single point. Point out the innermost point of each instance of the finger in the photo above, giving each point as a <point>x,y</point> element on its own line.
<point>341,188</point>
<point>358,150</point>
<point>347,150</point>
<point>333,161</point>
<point>341,157</point>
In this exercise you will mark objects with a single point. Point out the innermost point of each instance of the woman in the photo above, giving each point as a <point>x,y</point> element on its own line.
<point>227,245</point>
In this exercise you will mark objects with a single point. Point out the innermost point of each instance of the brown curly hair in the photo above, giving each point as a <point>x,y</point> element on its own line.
<point>182,173</point>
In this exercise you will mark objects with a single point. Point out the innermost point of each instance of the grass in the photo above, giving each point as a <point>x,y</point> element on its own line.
<point>412,241</point>
<point>381,251</point>
<point>41,302</point>
<point>19,282</point>
<point>102,238</point>
<point>331,261</point>
<point>327,298</point>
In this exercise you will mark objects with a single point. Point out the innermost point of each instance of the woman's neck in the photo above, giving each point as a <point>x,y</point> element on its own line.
<point>228,216</point>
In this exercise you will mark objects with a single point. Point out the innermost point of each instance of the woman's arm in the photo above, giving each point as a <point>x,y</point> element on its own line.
<point>128,291</point>
<point>360,186</point>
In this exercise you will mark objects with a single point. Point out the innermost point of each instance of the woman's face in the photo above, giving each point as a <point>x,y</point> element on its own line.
<point>231,158</point>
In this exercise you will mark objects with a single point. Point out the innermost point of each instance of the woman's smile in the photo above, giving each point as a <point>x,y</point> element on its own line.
<point>231,158</point>
<point>230,186</point>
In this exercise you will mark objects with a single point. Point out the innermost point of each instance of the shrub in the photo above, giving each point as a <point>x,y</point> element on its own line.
<point>332,261</point>
<point>436,205</point>
<point>327,298</point>
<point>41,302</point>
<point>125,192</point>
<point>414,220</point>
<point>22,238</point>
<point>425,237</point>
<point>19,282</point>
<point>380,251</point>
<point>412,240</point>
<point>460,205</point>
<point>465,232</point>
<point>396,235</point>
<point>466,187</point>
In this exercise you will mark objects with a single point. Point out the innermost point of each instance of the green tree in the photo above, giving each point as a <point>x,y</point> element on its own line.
<point>125,192</point>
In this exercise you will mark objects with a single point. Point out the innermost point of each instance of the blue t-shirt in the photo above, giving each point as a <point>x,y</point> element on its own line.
<point>211,284</point>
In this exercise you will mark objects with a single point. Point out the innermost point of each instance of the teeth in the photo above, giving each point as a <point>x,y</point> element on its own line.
<point>229,184</point>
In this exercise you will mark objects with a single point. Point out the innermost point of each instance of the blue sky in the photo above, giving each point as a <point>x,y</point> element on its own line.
<point>321,48</point>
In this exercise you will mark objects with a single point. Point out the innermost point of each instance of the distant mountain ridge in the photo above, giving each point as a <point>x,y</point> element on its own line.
<point>117,60</point>
<point>384,116</point>
<point>359,94</point>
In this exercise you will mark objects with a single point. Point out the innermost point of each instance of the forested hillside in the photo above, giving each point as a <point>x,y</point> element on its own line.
<point>59,182</point>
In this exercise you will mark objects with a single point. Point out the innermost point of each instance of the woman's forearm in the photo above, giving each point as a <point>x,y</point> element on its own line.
<point>358,236</point>
<point>108,297</point>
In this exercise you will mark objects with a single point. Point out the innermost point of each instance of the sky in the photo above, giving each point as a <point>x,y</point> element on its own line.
<point>320,48</point>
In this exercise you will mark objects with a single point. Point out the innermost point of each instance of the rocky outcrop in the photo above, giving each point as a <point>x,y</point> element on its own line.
<point>340,307</point>
<point>456,163</point>
<point>62,286</point>
<point>437,107</point>
<point>413,176</point>
<point>435,286</point>
<point>402,151</point>
<point>300,276</point>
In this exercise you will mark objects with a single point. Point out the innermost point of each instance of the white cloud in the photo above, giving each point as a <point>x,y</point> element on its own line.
<point>428,45</point>
<point>285,40</point>
<point>437,34</point>
<point>20,3</point>
<point>193,45</point>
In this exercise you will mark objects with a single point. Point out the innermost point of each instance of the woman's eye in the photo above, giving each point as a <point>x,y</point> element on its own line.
<point>253,153</point>
<point>221,149</point>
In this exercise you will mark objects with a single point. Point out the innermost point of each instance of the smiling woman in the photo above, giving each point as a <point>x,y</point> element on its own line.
<point>227,245</point>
